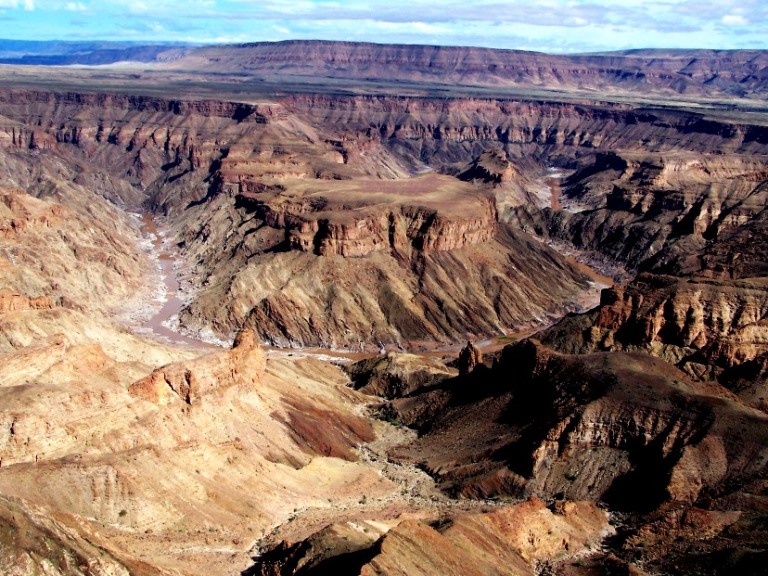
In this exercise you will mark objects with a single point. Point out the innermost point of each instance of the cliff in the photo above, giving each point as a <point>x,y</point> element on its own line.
<point>694,72</point>
<point>711,329</point>
<point>623,428</point>
<point>351,221</point>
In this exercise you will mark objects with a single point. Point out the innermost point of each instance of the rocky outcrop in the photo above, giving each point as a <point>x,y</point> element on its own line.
<point>313,226</point>
<point>106,475</point>
<point>11,302</point>
<point>491,167</point>
<point>396,375</point>
<point>388,254</point>
<point>469,358</point>
<point>509,540</point>
<point>191,381</point>
<point>705,327</point>
<point>21,214</point>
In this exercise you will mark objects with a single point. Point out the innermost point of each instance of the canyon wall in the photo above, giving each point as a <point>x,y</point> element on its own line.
<point>329,177</point>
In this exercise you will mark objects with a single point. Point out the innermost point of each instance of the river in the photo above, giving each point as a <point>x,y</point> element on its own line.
<point>172,304</point>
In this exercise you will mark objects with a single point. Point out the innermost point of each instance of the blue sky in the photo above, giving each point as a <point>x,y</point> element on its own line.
<point>544,25</point>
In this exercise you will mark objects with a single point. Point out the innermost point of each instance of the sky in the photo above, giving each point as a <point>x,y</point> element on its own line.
<point>556,26</point>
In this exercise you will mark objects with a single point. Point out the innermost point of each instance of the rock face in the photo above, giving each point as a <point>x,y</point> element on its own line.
<point>656,212</point>
<point>706,327</point>
<point>341,223</point>
<point>33,543</point>
<point>388,254</point>
<point>590,426</point>
<point>510,540</point>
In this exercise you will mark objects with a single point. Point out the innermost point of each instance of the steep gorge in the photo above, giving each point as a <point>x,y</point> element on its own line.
<point>309,180</point>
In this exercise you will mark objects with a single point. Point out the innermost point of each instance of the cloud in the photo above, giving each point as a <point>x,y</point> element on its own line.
<point>26,4</point>
<point>544,25</point>
<point>734,20</point>
<point>138,7</point>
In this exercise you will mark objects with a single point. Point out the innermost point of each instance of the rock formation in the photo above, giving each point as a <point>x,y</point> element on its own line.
<point>105,456</point>
<point>190,381</point>
<point>509,540</point>
<point>10,302</point>
<point>396,375</point>
<point>468,359</point>
<point>706,327</point>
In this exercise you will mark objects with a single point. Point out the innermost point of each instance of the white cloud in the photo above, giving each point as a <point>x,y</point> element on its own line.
<point>27,4</point>
<point>550,25</point>
<point>734,20</point>
<point>138,7</point>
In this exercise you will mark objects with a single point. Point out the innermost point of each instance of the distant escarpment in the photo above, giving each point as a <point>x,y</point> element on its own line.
<point>689,72</point>
<point>658,212</point>
<point>174,144</point>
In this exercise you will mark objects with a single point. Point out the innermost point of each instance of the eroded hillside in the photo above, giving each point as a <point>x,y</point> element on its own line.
<point>627,435</point>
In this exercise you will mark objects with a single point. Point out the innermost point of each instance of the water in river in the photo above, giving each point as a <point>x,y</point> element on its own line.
<point>172,305</point>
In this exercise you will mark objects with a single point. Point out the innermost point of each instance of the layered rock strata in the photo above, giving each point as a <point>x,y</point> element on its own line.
<point>589,426</point>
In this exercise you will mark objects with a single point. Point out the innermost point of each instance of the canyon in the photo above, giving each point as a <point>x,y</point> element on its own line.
<point>269,314</point>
